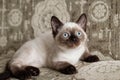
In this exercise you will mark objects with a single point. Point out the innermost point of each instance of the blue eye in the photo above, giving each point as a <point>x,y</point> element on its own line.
<point>65,35</point>
<point>78,33</point>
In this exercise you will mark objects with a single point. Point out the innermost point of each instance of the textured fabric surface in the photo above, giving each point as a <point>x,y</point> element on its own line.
<point>22,20</point>
<point>103,70</point>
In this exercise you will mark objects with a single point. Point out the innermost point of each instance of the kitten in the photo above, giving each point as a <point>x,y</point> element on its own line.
<point>59,49</point>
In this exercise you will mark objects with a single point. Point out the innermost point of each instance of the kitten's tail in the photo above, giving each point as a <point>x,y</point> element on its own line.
<point>5,75</point>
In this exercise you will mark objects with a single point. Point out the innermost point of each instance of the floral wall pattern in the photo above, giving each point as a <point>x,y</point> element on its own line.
<point>22,20</point>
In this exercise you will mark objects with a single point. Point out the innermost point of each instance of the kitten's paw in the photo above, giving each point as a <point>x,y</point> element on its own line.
<point>26,73</point>
<point>91,58</point>
<point>32,70</point>
<point>70,69</point>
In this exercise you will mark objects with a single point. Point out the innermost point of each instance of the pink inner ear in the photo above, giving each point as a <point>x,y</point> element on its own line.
<point>55,23</point>
<point>82,21</point>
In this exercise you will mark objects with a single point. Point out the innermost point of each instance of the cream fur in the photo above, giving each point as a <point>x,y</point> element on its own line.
<point>43,52</point>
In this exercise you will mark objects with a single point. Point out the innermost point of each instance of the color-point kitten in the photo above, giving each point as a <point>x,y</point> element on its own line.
<point>59,49</point>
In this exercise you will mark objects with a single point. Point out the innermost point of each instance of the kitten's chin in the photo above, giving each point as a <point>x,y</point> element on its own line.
<point>63,48</point>
<point>73,45</point>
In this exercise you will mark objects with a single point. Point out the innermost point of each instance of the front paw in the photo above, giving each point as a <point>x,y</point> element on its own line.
<point>70,69</point>
<point>91,58</point>
<point>32,70</point>
<point>26,72</point>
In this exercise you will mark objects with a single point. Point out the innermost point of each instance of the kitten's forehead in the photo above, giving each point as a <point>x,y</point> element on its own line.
<point>70,25</point>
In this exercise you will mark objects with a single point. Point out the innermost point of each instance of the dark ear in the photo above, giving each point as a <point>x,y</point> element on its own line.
<point>82,21</point>
<point>56,25</point>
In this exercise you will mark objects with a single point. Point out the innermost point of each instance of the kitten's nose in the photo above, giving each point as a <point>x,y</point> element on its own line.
<point>74,38</point>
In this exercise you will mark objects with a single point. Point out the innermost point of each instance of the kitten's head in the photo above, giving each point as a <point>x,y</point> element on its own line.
<point>70,34</point>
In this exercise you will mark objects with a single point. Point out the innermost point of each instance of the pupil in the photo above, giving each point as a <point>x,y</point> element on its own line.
<point>79,33</point>
<point>65,34</point>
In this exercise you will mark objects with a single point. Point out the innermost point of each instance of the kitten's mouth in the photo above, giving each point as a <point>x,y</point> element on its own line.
<point>73,44</point>
<point>70,43</point>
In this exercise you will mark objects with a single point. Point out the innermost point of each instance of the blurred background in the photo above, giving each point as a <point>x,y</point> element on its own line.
<point>23,20</point>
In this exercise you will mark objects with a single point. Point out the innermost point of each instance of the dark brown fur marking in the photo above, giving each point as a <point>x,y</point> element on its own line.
<point>87,57</point>
<point>73,40</point>
<point>82,21</point>
<point>6,74</point>
<point>65,68</point>
<point>56,24</point>
<point>26,72</point>
<point>91,58</point>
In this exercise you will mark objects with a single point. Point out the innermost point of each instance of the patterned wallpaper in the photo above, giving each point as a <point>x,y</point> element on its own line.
<point>22,20</point>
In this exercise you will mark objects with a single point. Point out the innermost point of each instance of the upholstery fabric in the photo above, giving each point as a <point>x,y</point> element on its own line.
<point>23,20</point>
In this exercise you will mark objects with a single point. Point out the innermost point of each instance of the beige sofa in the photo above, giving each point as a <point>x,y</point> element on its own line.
<point>102,70</point>
<point>22,20</point>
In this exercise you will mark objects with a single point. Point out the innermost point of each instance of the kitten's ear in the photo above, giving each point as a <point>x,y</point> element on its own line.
<point>56,25</point>
<point>82,21</point>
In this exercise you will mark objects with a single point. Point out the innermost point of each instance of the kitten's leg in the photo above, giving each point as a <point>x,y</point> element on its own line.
<point>87,57</point>
<point>65,67</point>
<point>23,72</point>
